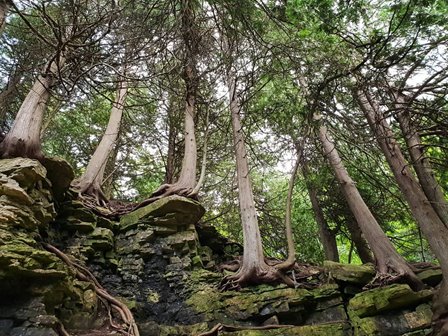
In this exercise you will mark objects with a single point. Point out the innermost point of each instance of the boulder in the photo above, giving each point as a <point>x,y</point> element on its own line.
<point>60,174</point>
<point>171,211</point>
<point>25,171</point>
<point>388,298</point>
<point>355,274</point>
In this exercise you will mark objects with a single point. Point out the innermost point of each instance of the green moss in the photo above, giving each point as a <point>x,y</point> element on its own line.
<point>395,296</point>
<point>357,274</point>
<point>185,212</point>
<point>333,329</point>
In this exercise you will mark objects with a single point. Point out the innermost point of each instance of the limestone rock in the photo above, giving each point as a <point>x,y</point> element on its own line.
<point>430,276</point>
<point>101,239</point>
<point>388,298</point>
<point>183,211</point>
<point>25,171</point>
<point>11,188</point>
<point>393,324</point>
<point>60,173</point>
<point>356,274</point>
<point>333,329</point>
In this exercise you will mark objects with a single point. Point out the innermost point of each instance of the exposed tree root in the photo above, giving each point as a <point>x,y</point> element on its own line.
<point>166,190</point>
<point>263,274</point>
<point>389,274</point>
<point>83,274</point>
<point>297,276</point>
<point>224,327</point>
<point>90,191</point>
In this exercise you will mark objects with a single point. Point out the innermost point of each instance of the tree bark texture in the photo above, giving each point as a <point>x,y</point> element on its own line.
<point>24,137</point>
<point>253,256</point>
<point>421,164</point>
<point>171,157</point>
<point>388,261</point>
<point>326,236</point>
<point>4,7</point>
<point>361,245</point>
<point>92,179</point>
<point>428,220</point>
<point>8,95</point>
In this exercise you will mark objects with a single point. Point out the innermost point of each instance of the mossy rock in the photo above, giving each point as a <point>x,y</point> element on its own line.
<point>12,190</point>
<point>355,274</point>
<point>25,171</point>
<point>394,324</point>
<point>333,329</point>
<point>60,174</point>
<point>185,210</point>
<point>431,277</point>
<point>388,298</point>
<point>101,239</point>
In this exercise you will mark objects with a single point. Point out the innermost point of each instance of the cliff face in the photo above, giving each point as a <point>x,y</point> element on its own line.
<point>154,262</point>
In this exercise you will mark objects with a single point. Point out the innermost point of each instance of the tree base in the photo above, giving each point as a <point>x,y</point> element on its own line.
<point>166,190</point>
<point>13,147</point>
<point>262,274</point>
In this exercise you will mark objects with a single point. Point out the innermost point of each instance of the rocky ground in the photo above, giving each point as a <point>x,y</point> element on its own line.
<point>163,265</point>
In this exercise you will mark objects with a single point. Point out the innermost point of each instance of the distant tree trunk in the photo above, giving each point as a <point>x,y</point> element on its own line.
<point>8,94</point>
<point>430,223</point>
<point>327,237</point>
<point>4,7</point>
<point>171,158</point>
<point>362,248</point>
<point>23,140</point>
<point>389,263</point>
<point>422,166</point>
<point>90,182</point>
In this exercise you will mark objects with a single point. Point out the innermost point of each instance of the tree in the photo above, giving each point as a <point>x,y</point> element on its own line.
<point>432,226</point>
<point>68,36</point>
<point>24,137</point>
<point>389,264</point>
<point>327,236</point>
<point>186,183</point>
<point>91,181</point>
<point>420,162</point>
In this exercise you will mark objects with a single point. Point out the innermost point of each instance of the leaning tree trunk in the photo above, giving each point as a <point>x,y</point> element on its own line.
<point>433,228</point>
<point>361,245</point>
<point>421,164</point>
<point>326,236</point>
<point>389,264</point>
<point>90,182</point>
<point>24,137</point>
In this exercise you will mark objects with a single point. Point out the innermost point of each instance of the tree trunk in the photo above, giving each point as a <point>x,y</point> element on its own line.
<point>4,7</point>
<point>428,220</point>
<point>8,94</point>
<point>389,263</point>
<point>362,248</point>
<point>90,182</point>
<point>254,269</point>
<point>170,161</point>
<point>23,140</point>
<point>187,177</point>
<point>421,164</point>
<point>327,237</point>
